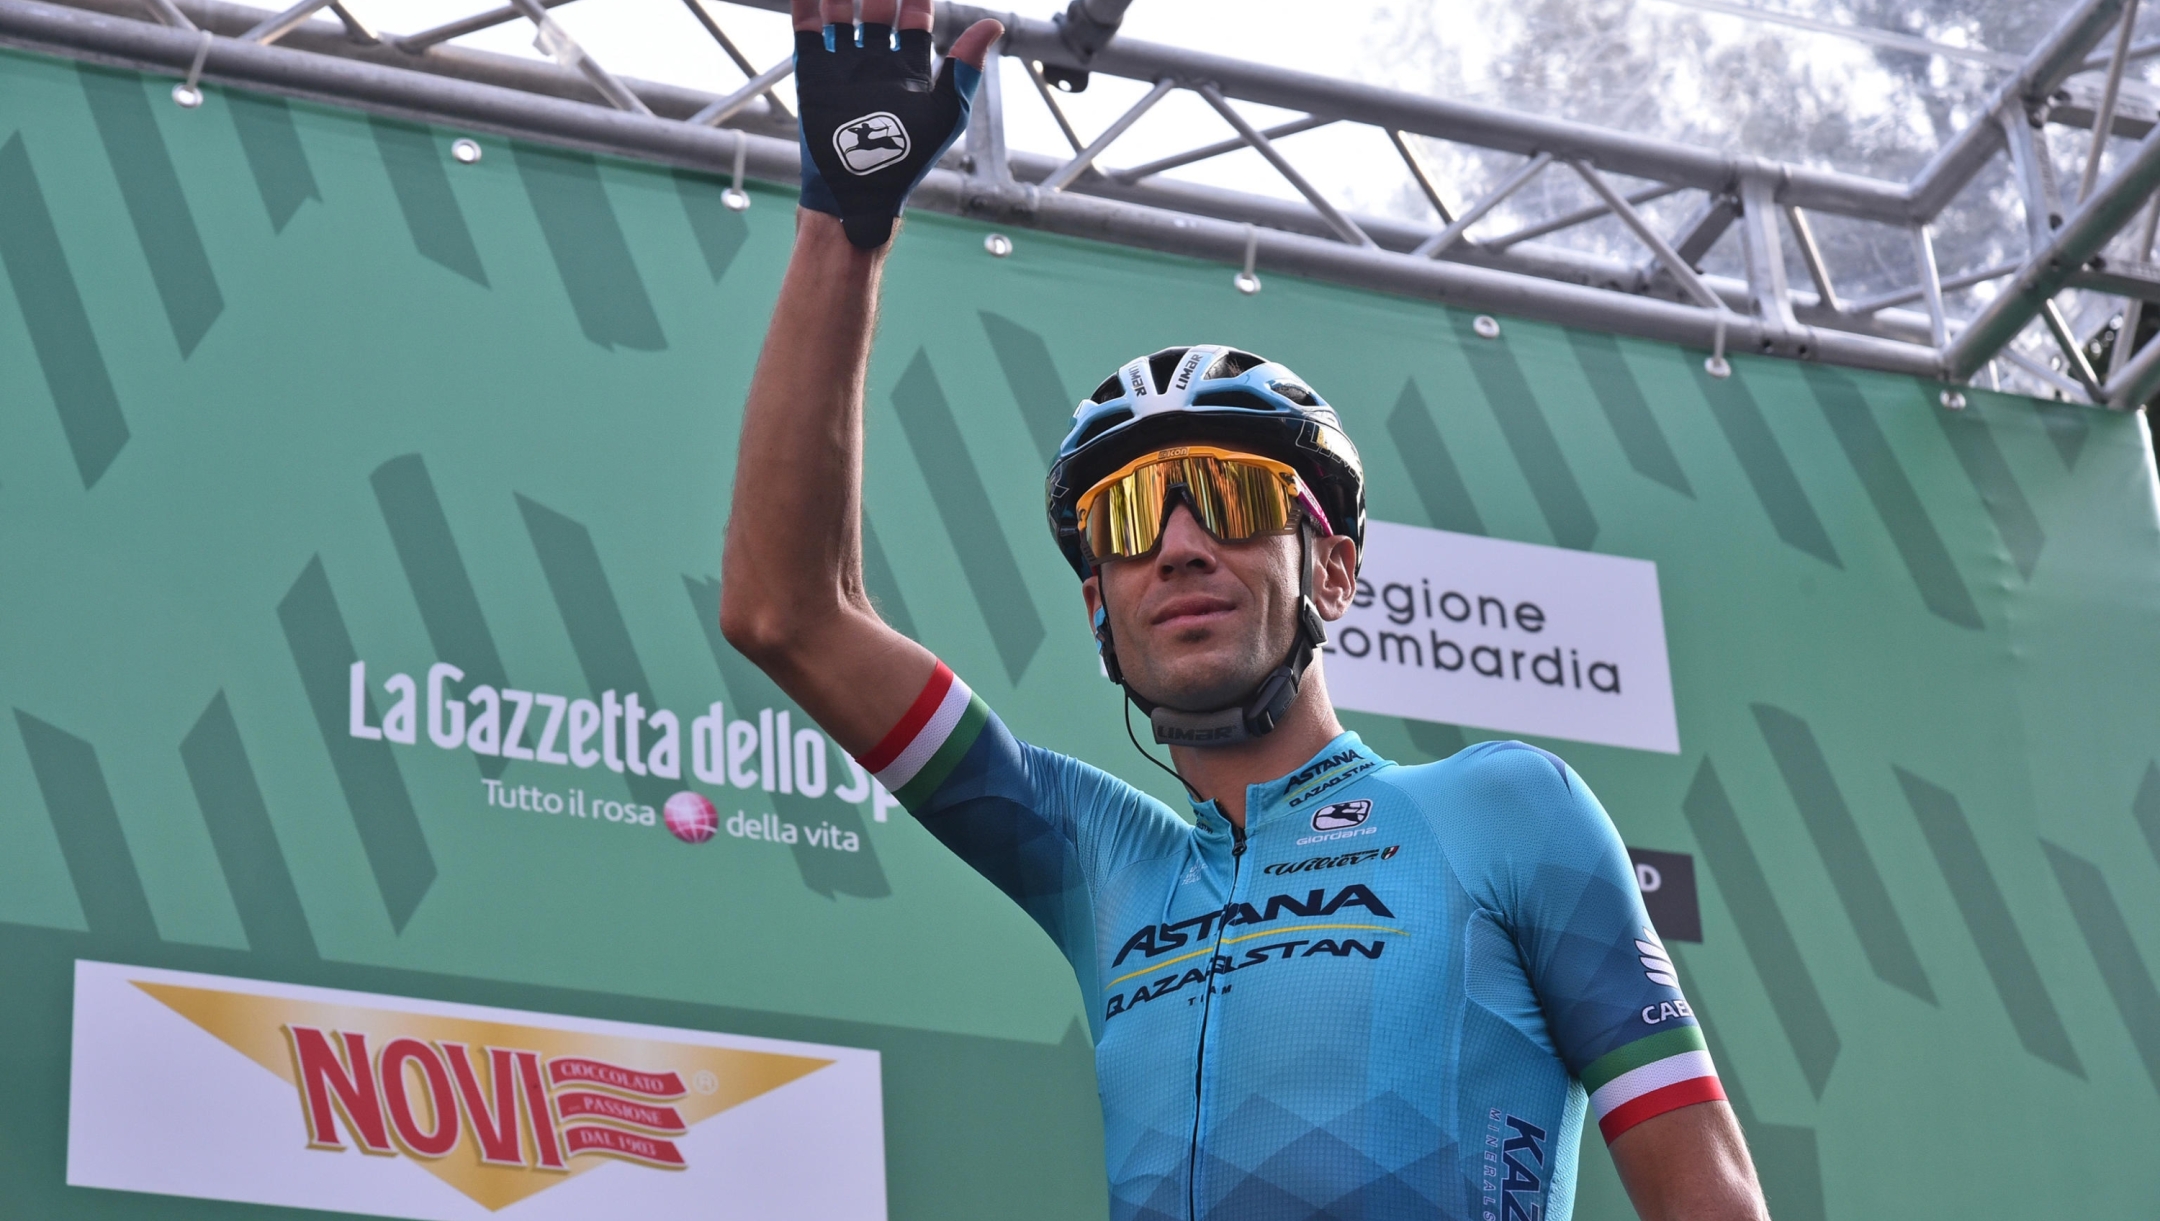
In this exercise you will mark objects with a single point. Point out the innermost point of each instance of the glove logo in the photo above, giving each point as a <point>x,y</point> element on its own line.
<point>871,143</point>
<point>1340,815</point>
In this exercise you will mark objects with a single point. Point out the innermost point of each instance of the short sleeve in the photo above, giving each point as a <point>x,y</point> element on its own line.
<point>1563,887</point>
<point>1038,825</point>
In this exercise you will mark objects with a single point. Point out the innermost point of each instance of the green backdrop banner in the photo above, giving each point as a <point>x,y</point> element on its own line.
<point>285,389</point>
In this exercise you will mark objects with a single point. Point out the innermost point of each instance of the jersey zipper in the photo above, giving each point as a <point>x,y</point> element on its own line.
<point>1207,1006</point>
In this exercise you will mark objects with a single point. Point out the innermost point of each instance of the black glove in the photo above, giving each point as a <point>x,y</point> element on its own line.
<point>874,122</point>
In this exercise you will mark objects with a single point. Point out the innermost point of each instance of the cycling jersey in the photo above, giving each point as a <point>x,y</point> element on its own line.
<point>1394,994</point>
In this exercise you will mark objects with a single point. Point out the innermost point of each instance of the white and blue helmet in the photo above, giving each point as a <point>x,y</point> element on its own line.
<point>1209,394</point>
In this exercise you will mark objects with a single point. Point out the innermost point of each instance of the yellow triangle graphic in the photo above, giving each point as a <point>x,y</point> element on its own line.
<point>718,1078</point>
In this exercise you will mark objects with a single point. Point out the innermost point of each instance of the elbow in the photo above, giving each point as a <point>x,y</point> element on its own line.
<point>764,633</point>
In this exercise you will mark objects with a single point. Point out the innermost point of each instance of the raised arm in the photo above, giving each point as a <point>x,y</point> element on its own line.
<point>792,597</point>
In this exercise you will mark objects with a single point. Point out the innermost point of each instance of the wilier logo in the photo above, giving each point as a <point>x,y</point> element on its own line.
<point>871,142</point>
<point>1340,815</point>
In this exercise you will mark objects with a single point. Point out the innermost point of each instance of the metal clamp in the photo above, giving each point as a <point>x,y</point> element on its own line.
<point>188,93</point>
<point>1246,281</point>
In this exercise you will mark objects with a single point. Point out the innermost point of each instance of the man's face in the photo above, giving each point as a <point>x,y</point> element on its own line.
<point>1200,622</point>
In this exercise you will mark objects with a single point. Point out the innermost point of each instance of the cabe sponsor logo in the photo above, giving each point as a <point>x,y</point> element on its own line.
<point>466,1112</point>
<point>1466,630</point>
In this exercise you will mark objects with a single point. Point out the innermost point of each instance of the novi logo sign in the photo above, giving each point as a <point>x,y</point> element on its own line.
<point>499,1106</point>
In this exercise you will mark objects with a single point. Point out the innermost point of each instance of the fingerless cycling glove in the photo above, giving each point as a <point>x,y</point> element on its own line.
<point>874,121</point>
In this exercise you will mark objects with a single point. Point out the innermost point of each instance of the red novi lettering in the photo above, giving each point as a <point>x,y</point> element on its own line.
<point>496,1127</point>
<point>442,1137</point>
<point>334,1087</point>
<point>547,1146</point>
<point>422,1097</point>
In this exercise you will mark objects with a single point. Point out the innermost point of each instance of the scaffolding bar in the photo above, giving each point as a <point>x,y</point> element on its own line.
<point>1217,149</point>
<point>2081,237</point>
<point>1437,245</point>
<point>2104,118</point>
<point>416,43</point>
<point>1487,127</point>
<point>1342,225</point>
<point>1689,279</point>
<point>2061,53</point>
<point>1086,156</point>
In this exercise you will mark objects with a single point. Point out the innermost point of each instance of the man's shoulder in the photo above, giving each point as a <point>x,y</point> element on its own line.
<point>1088,789</point>
<point>1503,795</point>
<point>1497,768</point>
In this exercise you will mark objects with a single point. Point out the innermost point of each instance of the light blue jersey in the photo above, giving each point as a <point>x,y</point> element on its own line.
<point>1395,994</point>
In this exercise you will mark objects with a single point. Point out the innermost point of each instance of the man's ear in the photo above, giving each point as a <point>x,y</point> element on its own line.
<point>1334,576</point>
<point>1091,593</point>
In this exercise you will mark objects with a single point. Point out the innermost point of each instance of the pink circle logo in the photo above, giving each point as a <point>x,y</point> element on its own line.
<point>691,817</point>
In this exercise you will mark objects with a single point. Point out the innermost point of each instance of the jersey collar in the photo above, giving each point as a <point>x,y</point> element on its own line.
<point>1329,768</point>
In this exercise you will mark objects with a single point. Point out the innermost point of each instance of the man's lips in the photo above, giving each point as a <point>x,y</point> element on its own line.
<point>1190,610</point>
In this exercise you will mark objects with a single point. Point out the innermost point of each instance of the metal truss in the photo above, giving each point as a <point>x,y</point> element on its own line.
<point>2089,254</point>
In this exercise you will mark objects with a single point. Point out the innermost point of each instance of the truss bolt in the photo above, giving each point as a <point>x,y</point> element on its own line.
<point>1487,326</point>
<point>998,245</point>
<point>465,151</point>
<point>1952,400</point>
<point>187,96</point>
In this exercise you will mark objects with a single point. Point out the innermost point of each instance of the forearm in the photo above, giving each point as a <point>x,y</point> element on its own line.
<point>792,530</point>
<point>792,598</point>
<point>1691,1164</point>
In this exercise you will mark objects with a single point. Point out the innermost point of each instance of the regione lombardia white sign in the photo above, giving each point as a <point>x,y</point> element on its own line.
<point>1507,636</point>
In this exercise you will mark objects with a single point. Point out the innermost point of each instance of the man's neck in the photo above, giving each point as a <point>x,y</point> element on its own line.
<point>1222,773</point>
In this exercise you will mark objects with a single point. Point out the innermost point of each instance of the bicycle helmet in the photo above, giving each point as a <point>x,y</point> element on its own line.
<point>1218,395</point>
<point>1212,394</point>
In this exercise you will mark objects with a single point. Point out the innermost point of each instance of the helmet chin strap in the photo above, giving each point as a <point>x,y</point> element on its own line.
<point>1259,712</point>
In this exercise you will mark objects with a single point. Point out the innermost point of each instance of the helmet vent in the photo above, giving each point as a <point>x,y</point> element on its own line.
<point>1244,399</point>
<point>1232,363</point>
<point>1163,365</point>
<point>1110,389</point>
<point>1296,392</point>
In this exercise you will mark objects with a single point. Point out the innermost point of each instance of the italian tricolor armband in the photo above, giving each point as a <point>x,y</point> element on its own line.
<point>1646,1078</point>
<point>923,749</point>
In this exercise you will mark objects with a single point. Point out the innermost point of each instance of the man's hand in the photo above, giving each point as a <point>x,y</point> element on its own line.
<point>1689,1165</point>
<point>874,120</point>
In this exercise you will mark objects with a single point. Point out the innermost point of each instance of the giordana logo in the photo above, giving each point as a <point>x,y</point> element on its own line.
<point>871,143</point>
<point>1341,815</point>
<point>497,1106</point>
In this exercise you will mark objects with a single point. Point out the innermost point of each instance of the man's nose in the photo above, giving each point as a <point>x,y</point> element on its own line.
<point>1185,543</point>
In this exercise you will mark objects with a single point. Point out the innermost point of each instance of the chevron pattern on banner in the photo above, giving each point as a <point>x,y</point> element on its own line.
<point>1909,648</point>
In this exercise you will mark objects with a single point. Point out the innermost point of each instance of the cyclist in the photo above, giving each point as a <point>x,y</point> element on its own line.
<point>1347,988</point>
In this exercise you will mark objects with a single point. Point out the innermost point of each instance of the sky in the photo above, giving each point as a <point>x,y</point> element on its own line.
<point>659,40</point>
<point>1354,166</point>
<point>1357,40</point>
